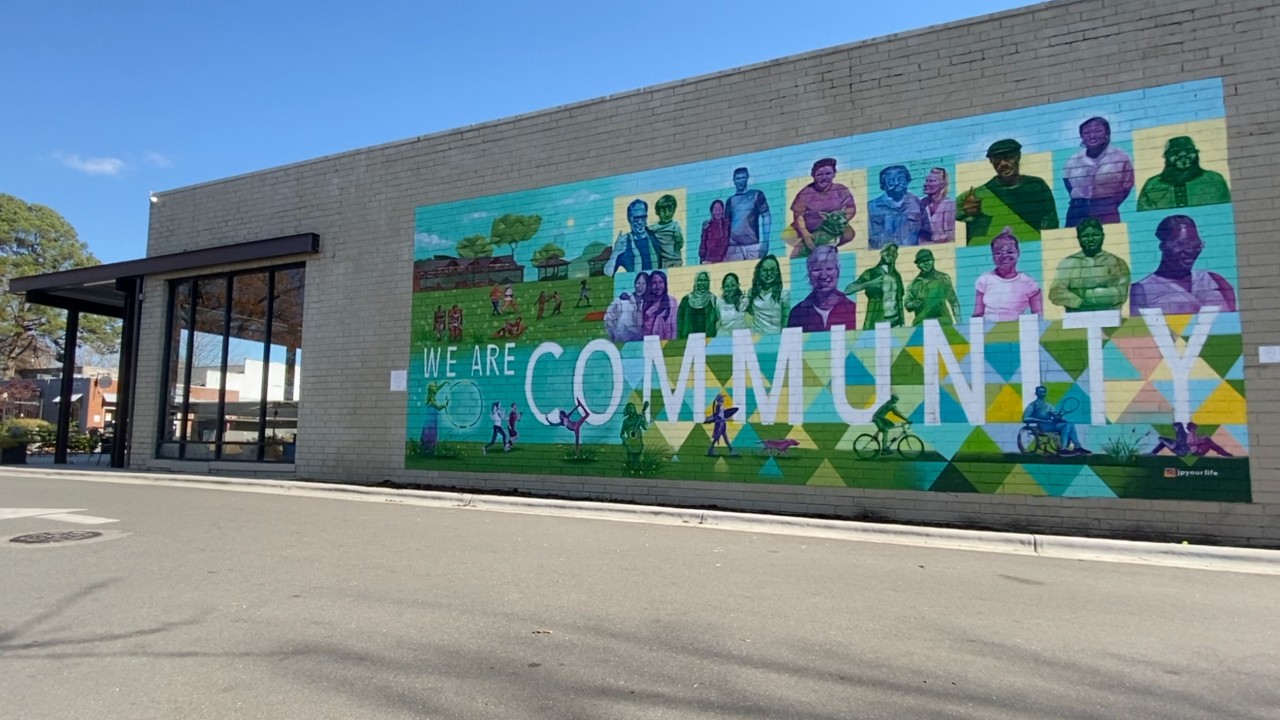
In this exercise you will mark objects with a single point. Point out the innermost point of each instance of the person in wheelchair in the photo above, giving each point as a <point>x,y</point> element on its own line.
<point>1044,417</point>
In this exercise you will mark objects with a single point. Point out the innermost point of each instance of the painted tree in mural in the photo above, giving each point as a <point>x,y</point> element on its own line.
<point>547,252</point>
<point>511,230</point>
<point>475,246</point>
<point>35,239</point>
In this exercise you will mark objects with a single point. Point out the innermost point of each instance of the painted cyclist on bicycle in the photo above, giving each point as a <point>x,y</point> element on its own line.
<point>884,424</point>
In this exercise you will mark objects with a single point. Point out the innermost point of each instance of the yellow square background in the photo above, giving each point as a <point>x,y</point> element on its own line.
<point>1056,245</point>
<point>1210,137</point>
<point>620,224</point>
<point>856,181</point>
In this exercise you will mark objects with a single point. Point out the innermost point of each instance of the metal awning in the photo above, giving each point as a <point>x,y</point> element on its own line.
<point>74,398</point>
<point>96,289</point>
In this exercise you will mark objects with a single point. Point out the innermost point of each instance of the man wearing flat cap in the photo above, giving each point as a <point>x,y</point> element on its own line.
<point>1023,203</point>
<point>932,294</point>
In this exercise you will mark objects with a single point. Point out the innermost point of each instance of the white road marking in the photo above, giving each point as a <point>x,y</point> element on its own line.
<point>79,519</point>
<point>60,514</point>
<point>14,513</point>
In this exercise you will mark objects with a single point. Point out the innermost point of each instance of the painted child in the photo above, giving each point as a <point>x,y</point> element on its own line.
<point>669,233</point>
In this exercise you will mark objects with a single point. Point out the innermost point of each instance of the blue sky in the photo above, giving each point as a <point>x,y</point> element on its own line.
<point>109,101</point>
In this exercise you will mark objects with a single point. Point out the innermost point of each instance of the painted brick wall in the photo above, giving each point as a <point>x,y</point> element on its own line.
<point>362,204</point>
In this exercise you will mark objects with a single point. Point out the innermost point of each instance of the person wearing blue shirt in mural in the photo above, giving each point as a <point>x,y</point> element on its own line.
<point>637,249</point>
<point>749,220</point>
<point>1049,420</point>
<point>896,214</point>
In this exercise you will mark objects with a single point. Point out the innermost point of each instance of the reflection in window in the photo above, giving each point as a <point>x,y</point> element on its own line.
<point>233,375</point>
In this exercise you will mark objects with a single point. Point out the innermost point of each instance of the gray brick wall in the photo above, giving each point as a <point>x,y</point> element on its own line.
<point>361,203</point>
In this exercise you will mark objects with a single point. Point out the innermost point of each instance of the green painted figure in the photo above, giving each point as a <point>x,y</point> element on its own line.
<point>1092,279</point>
<point>669,233</point>
<point>698,312</point>
<point>1023,203</point>
<point>632,433</point>
<point>884,423</point>
<point>932,294</point>
<point>883,286</point>
<point>1183,183</point>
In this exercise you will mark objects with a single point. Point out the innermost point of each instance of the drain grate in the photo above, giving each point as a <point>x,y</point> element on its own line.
<point>45,538</point>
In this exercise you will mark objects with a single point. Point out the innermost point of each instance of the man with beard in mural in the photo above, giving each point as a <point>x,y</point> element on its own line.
<point>1022,202</point>
<point>770,302</point>
<point>698,312</point>
<point>637,249</point>
<point>1183,183</point>
<point>883,286</point>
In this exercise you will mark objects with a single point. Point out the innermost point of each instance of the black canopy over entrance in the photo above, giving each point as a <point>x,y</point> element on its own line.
<point>115,290</point>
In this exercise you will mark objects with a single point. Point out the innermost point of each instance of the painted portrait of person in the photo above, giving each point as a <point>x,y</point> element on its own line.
<point>1176,287</point>
<point>659,308</point>
<point>731,306</point>
<point>1004,293</point>
<point>932,295</point>
<point>624,319</point>
<point>698,312</point>
<point>1183,183</point>
<point>769,303</point>
<point>715,236</point>
<point>895,215</point>
<point>668,232</point>
<point>1099,177</point>
<point>938,221</point>
<point>749,220</point>
<point>883,287</point>
<point>1009,199</point>
<point>636,249</point>
<point>822,210</point>
<point>826,305</point>
<point>1092,279</point>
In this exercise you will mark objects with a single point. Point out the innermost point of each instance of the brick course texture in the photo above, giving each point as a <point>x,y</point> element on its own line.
<point>362,203</point>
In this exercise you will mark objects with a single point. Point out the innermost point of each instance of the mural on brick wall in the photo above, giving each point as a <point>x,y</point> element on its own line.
<point>1036,302</point>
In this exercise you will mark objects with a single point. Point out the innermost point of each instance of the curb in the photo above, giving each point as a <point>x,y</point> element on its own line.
<point>1200,557</point>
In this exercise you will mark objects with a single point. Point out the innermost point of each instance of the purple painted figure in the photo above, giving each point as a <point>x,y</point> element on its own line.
<point>1175,288</point>
<point>1099,177</point>
<point>719,420</point>
<point>659,308</point>
<point>565,420</point>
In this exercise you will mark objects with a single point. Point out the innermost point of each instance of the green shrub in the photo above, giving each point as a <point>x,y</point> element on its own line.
<point>19,431</point>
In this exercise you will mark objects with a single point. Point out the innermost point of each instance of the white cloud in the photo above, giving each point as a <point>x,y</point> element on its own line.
<point>157,160</point>
<point>582,196</point>
<point>477,215</point>
<point>425,242</point>
<point>91,165</point>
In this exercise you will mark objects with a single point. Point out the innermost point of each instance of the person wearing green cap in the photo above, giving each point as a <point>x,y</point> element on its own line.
<point>1183,183</point>
<point>1023,203</point>
<point>932,294</point>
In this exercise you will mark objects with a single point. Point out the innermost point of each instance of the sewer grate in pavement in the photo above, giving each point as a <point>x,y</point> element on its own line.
<point>46,538</point>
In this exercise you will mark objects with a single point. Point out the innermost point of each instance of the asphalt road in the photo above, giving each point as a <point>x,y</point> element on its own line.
<point>220,604</point>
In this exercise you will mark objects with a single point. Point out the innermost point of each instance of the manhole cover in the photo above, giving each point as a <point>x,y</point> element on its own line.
<point>45,538</point>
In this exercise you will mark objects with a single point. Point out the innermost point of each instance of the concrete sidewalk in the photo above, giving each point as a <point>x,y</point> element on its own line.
<point>1201,557</point>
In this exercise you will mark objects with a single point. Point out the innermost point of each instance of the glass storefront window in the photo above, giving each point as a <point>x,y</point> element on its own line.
<point>233,370</point>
